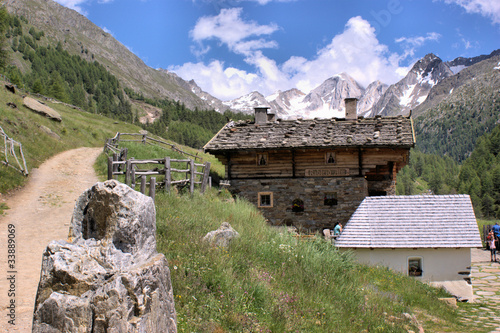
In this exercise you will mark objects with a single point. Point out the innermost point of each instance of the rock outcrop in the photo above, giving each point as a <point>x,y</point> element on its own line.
<point>222,236</point>
<point>42,109</point>
<point>110,277</point>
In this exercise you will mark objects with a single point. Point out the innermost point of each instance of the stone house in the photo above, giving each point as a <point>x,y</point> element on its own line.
<point>312,173</point>
<point>428,237</point>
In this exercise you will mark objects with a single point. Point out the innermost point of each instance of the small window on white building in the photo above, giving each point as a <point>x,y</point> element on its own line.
<point>415,266</point>
<point>265,200</point>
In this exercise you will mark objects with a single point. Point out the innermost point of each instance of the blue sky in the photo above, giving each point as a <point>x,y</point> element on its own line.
<point>233,47</point>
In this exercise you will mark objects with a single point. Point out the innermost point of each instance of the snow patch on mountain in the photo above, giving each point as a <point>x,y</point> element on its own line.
<point>457,69</point>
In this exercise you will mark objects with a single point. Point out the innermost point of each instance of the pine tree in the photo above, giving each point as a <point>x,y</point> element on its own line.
<point>3,39</point>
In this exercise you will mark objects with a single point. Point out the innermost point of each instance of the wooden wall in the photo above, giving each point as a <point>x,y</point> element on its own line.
<point>300,163</point>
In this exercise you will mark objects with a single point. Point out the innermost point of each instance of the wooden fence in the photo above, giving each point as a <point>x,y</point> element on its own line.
<point>11,149</point>
<point>113,143</point>
<point>137,171</point>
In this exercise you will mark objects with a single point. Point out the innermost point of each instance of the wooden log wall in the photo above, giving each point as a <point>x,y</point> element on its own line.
<point>300,163</point>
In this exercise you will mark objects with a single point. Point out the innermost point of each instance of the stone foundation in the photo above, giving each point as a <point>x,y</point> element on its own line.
<point>348,191</point>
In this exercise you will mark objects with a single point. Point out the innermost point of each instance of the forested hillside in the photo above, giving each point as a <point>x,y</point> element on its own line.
<point>452,127</point>
<point>32,63</point>
<point>51,71</point>
<point>480,175</point>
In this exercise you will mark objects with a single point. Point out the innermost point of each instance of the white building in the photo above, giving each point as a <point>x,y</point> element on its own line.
<point>429,237</point>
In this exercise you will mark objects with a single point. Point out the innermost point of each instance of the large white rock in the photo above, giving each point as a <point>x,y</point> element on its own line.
<point>110,277</point>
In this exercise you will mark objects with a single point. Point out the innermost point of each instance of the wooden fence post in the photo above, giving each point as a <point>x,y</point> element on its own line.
<point>132,175</point>
<point>115,166</point>
<point>110,167</point>
<point>191,176</point>
<point>128,172</point>
<point>124,154</point>
<point>152,188</point>
<point>168,175</point>
<point>143,184</point>
<point>204,180</point>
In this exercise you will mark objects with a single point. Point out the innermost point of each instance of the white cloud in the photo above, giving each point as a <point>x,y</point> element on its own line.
<point>224,83</point>
<point>73,4</point>
<point>76,4</point>
<point>410,44</point>
<point>487,8</point>
<point>355,51</point>
<point>230,29</point>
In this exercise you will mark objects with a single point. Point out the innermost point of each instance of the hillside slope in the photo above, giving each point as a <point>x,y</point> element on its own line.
<point>81,36</point>
<point>450,122</point>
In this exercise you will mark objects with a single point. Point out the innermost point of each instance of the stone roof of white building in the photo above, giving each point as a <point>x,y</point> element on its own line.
<point>420,221</point>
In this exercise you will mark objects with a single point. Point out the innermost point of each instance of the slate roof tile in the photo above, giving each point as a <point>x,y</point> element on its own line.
<point>314,133</point>
<point>422,221</point>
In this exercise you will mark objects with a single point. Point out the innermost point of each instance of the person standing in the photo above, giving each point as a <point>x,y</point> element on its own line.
<point>337,230</point>
<point>492,246</point>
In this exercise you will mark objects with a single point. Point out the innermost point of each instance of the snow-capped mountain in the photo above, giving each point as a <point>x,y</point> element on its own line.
<point>413,89</point>
<point>246,103</point>
<point>327,100</point>
<point>285,103</point>
<point>372,94</point>
<point>457,64</point>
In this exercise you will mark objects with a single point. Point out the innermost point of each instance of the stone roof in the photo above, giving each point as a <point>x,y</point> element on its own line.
<point>314,133</point>
<point>420,221</point>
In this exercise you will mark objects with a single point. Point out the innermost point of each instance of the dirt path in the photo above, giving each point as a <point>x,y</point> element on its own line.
<point>40,212</point>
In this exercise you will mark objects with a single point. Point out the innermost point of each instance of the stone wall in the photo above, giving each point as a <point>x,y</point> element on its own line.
<point>348,192</point>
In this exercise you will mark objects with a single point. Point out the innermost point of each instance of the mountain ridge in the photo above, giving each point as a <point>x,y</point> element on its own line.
<point>325,101</point>
<point>77,33</point>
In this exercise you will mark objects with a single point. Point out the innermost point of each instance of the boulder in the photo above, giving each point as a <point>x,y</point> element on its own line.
<point>42,109</point>
<point>50,132</point>
<point>109,277</point>
<point>222,236</point>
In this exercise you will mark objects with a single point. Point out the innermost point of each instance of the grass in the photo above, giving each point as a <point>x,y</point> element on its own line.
<point>268,281</point>
<point>77,129</point>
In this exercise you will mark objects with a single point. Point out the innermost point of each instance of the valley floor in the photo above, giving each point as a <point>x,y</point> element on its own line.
<point>42,210</point>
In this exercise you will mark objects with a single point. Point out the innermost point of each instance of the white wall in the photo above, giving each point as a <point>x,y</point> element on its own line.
<point>442,264</point>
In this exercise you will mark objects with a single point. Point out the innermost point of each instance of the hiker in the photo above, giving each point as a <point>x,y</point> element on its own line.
<point>496,230</point>
<point>337,230</point>
<point>492,246</point>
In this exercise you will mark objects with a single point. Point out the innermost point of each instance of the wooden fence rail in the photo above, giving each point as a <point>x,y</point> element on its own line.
<point>13,148</point>
<point>131,169</point>
<point>113,143</point>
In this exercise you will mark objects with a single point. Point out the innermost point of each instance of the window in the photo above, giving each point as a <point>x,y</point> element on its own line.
<point>415,267</point>
<point>265,200</point>
<point>330,199</point>
<point>262,159</point>
<point>297,205</point>
<point>330,157</point>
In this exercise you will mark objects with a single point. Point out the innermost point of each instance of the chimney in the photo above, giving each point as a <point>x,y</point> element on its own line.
<point>351,105</point>
<point>261,115</point>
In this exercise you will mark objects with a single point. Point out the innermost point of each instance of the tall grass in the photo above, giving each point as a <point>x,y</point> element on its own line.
<point>269,281</point>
